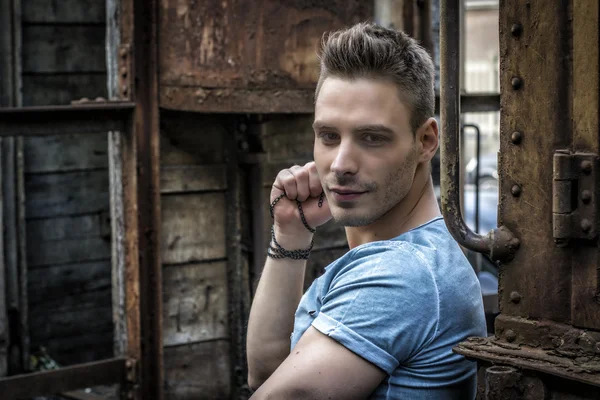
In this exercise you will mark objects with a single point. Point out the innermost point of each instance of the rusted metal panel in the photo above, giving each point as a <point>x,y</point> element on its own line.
<point>568,366</point>
<point>69,378</point>
<point>534,44</point>
<point>234,56</point>
<point>585,284</point>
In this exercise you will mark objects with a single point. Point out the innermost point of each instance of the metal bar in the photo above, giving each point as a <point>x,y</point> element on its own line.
<point>477,168</point>
<point>500,244</point>
<point>56,120</point>
<point>146,131</point>
<point>98,373</point>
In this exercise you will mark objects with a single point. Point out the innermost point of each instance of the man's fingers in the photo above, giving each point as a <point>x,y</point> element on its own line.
<point>302,178</point>
<point>314,182</point>
<point>286,182</point>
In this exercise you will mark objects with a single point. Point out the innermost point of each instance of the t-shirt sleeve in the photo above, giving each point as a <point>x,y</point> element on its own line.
<point>383,305</point>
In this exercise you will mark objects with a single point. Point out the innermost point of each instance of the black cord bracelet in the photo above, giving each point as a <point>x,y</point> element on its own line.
<point>275,250</point>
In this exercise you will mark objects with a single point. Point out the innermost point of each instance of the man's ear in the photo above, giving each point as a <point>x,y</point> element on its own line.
<point>427,137</point>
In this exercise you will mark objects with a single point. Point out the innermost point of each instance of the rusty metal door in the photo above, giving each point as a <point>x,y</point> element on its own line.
<point>547,336</point>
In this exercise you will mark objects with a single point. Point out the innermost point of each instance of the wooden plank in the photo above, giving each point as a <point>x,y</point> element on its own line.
<point>191,139</point>
<point>188,375</point>
<point>51,285</point>
<point>538,58</point>
<point>195,303</point>
<point>585,309</point>
<point>64,48</point>
<point>64,11</point>
<point>69,228</point>
<point>192,178</point>
<point>85,312</point>
<point>69,250</point>
<point>193,227</point>
<point>40,90</point>
<point>64,153</point>
<point>288,139</point>
<point>72,193</point>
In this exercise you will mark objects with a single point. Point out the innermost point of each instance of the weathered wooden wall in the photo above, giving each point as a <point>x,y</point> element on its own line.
<point>66,184</point>
<point>195,310</point>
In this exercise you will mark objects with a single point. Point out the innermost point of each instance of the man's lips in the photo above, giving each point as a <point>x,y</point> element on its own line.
<point>344,194</point>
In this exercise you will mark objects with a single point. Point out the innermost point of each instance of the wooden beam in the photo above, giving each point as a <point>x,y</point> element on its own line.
<point>97,373</point>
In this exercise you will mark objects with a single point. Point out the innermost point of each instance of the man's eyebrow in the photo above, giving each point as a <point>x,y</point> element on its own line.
<point>321,125</point>
<point>374,128</point>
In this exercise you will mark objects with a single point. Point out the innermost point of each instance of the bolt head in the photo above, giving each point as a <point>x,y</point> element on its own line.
<point>586,225</point>
<point>516,137</point>
<point>586,167</point>
<point>516,29</point>
<point>515,297</point>
<point>586,196</point>
<point>510,335</point>
<point>516,190</point>
<point>516,83</point>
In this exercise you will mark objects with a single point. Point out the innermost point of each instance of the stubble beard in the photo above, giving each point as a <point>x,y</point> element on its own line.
<point>379,199</point>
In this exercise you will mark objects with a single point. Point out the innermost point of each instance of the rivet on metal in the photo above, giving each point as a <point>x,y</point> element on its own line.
<point>516,137</point>
<point>516,83</point>
<point>515,297</point>
<point>586,225</point>
<point>516,29</point>
<point>586,167</point>
<point>516,190</point>
<point>586,196</point>
<point>510,335</point>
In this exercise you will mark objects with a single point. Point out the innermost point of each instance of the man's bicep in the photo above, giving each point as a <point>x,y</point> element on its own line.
<point>320,368</point>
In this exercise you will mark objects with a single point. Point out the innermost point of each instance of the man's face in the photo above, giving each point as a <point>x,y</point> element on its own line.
<point>364,149</point>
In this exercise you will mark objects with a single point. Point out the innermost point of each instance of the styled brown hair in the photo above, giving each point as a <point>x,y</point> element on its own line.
<point>366,50</point>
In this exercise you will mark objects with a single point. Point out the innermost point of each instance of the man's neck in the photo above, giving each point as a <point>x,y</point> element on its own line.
<point>418,207</point>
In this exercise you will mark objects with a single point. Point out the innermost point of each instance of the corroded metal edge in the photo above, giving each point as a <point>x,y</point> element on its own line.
<point>581,369</point>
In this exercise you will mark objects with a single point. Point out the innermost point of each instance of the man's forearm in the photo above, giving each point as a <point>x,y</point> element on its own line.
<point>272,316</point>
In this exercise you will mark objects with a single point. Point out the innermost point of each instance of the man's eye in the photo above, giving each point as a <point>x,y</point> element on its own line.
<point>372,138</point>
<point>328,136</point>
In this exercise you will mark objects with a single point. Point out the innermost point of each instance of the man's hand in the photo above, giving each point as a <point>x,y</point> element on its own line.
<point>301,184</point>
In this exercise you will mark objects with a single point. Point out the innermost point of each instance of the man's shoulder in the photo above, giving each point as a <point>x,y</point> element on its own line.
<point>389,260</point>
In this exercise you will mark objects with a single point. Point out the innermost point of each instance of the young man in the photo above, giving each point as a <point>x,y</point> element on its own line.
<point>382,320</point>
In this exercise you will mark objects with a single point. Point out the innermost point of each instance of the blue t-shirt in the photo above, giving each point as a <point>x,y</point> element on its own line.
<point>402,304</point>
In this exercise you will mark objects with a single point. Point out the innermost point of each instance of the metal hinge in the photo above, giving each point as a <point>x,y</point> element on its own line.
<point>574,196</point>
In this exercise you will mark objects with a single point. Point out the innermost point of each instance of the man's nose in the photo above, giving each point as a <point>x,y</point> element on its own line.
<point>345,159</point>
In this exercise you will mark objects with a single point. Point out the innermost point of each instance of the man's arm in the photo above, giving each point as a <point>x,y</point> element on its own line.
<point>271,319</point>
<point>321,368</point>
<point>280,288</point>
